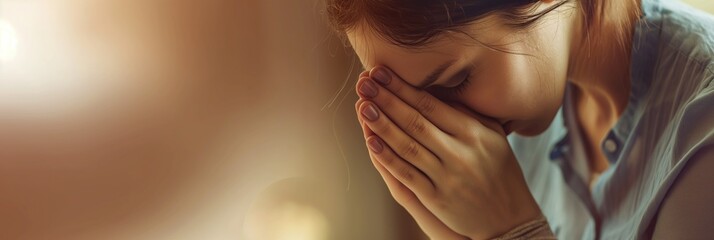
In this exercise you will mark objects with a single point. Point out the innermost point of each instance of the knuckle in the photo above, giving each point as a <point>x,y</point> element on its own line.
<point>406,174</point>
<point>416,124</point>
<point>430,193</point>
<point>387,160</point>
<point>382,127</point>
<point>410,150</point>
<point>471,134</point>
<point>387,102</point>
<point>403,195</point>
<point>397,88</point>
<point>425,104</point>
<point>405,201</point>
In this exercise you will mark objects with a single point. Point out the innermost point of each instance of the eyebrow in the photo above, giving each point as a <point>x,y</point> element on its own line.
<point>435,75</point>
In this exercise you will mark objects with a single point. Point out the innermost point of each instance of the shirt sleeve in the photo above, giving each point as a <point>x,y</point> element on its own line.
<point>687,212</point>
<point>533,230</point>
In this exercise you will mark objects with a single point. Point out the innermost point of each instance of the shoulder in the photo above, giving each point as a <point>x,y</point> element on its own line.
<point>680,88</point>
<point>686,211</point>
<point>685,44</point>
<point>686,146</point>
<point>688,32</point>
<point>695,128</point>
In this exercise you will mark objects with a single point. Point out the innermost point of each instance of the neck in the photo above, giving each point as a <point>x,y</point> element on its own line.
<point>600,58</point>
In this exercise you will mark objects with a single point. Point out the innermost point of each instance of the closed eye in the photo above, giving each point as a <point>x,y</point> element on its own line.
<point>459,89</point>
<point>452,90</point>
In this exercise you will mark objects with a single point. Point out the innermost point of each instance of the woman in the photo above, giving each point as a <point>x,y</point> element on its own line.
<point>611,103</point>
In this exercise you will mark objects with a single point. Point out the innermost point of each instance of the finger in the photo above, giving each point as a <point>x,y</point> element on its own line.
<point>430,224</point>
<point>406,117</point>
<point>426,220</point>
<point>405,146</point>
<point>406,173</point>
<point>365,130</point>
<point>361,75</point>
<point>487,122</point>
<point>442,115</point>
<point>364,74</point>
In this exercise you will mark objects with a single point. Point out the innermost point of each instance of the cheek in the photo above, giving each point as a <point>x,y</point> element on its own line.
<point>514,87</point>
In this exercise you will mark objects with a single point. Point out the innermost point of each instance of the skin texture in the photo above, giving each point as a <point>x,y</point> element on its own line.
<point>455,169</point>
<point>443,152</point>
<point>501,85</point>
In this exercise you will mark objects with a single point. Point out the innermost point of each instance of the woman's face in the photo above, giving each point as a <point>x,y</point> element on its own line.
<point>522,88</point>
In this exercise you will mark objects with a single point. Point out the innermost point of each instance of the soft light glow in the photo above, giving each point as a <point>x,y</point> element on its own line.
<point>8,42</point>
<point>289,221</point>
<point>300,222</point>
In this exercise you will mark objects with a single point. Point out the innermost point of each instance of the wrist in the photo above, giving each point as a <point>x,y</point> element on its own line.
<point>516,209</point>
<point>537,228</point>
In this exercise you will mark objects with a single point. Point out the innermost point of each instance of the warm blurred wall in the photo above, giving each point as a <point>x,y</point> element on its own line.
<point>337,177</point>
<point>168,119</point>
<point>706,5</point>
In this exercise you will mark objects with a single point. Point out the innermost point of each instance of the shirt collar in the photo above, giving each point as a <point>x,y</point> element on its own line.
<point>645,49</point>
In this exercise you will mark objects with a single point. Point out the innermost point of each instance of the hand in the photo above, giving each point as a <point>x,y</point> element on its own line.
<point>432,226</point>
<point>457,164</point>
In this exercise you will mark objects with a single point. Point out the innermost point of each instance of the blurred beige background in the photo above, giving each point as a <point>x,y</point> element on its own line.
<point>706,5</point>
<point>170,119</point>
<point>175,120</point>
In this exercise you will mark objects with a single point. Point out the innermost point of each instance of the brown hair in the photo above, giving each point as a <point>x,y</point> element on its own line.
<point>415,23</point>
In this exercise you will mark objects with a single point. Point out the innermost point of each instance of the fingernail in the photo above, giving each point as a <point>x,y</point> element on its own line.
<point>381,76</point>
<point>368,89</point>
<point>370,112</point>
<point>375,145</point>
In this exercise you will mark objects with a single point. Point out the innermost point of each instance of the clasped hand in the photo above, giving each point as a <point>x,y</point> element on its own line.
<point>450,168</point>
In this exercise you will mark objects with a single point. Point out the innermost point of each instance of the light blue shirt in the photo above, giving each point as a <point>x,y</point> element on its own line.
<point>669,117</point>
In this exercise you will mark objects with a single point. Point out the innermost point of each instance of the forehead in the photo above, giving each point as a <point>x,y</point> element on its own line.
<point>410,64</point>
<point>458,47</point>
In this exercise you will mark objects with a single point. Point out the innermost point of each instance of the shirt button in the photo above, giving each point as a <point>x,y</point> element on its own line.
<point>555,154</point>
<point>610,146</point>
<point>564,149</point>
